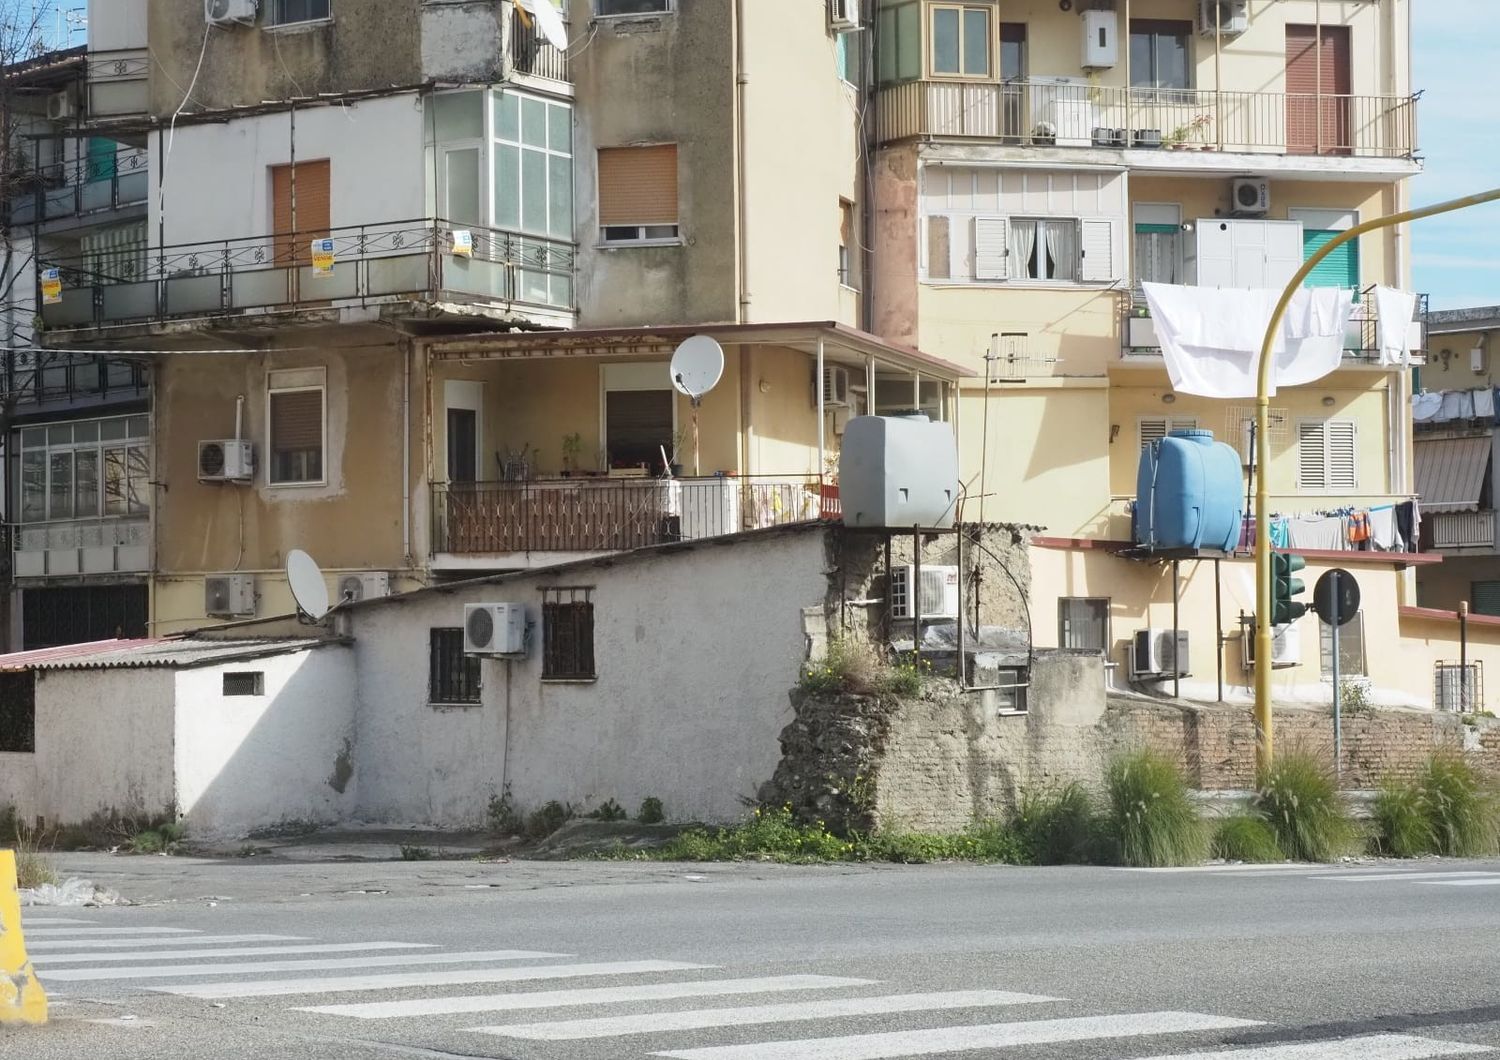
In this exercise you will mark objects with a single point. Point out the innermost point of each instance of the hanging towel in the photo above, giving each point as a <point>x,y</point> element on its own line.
<point>1323,533</point>
<point>1484,403</point>
<point>1280,534</point>
<point>1383,528</point>
<point>1457,405</point>
<point>1406,528</point>
<point>1426,406</point>
<point>1394,311</point>
<point>1210,337</point>
<point>1359,527</point>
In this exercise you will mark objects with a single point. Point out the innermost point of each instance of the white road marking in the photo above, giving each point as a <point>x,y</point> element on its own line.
<point>1376,1047</point>
<point>1493,881</point>
<point>232,951</point>
<point>658,1022</point>
<point>48,921</point>
<point>49,945</point>
<point>602,995</point>
<point>960,1039</point>
<point>1252,867</point>
<point>183,971</point>
<point>1385,877</point>
<point>65,932</point>
<point>342,984</point>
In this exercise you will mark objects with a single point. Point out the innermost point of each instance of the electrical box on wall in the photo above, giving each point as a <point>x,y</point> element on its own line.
<point>1101,39</point>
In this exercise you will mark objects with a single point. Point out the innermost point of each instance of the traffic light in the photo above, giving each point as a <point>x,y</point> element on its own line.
<point>1284,609</point>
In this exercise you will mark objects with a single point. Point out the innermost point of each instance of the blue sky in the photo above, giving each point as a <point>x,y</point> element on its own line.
<point>1456,257</point>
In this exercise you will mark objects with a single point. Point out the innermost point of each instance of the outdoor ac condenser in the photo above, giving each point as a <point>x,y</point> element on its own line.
<point>939,596</point>
<point>1154,654</point>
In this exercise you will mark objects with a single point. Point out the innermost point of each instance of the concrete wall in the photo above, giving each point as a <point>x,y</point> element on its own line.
<point>246,762</point>
<point>694,649</point>
<point>104,744</point>
<point>1448,367</point>
<point>218,176</point>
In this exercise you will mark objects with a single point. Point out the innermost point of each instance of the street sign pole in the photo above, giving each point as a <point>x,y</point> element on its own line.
<point>1338,730</point>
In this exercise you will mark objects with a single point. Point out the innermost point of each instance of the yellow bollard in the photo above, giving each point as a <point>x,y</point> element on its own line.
<point>21,996</point>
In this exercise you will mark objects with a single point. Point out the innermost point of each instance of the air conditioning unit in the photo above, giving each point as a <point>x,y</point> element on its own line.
<point>1286,646</point>
<point>363,586</point>
<point>60,106</point>
<point>835,386</point>
<point>229,12</point>
<point>228,595</point>
<point>1250,196</point>
<point>1229,18</point>
<point>226,460</point>
<point>843,15</point>
<point>1476,360</point>
<point>495,629</point>
<point>1153,653</point>
<point>939,592</point>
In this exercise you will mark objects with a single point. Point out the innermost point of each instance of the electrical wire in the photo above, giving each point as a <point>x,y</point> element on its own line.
<point>161,191</point>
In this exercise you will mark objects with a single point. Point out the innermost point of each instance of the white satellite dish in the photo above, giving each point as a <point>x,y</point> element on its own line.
<point>697,366</point>
<point>308,587</point>
<point>548,22</point>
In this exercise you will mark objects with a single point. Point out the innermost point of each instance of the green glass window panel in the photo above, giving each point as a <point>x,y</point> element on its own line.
<point>458,116</point>
<point>560,128</point>
<point>533,122</point>
<point>507,116</point>
<point>560,197</point>
<point>976,42</point>
<point>462,186</point>
<point>945,41</point>
<point>533,191</point>
<point>507,186</point>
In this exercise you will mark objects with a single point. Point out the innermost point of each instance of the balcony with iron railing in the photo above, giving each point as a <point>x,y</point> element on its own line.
<point>529,55</point>
<point>87,185</point>
<point>414,260</point>
<point>1070,112</point>
<point>604,514</point>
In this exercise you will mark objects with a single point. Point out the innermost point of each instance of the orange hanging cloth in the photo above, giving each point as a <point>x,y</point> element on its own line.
<point>1359,527</point>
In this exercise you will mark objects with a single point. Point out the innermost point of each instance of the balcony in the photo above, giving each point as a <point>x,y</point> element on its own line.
<point>82,547</point>
<point>414,260</point>
<point>530,56</point>
<point>1462,530</point>
<point>118,83</point>
<point>611,514</point>
<point>86,186</point>
<point>1069,112</point>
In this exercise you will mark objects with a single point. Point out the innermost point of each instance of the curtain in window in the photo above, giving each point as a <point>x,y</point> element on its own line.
<point>1060,250</point>
<point>1025,236</point>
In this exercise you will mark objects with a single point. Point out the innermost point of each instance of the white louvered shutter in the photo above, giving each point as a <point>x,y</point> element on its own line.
<point>1157,428</point>
<point>1097,264</point>
<point>991,248</point>
<point>1312,456</point>
<point>1343,461</point>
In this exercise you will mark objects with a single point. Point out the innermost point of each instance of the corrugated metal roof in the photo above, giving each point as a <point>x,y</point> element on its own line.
<point>168,653</point>
<point>1451,472</point>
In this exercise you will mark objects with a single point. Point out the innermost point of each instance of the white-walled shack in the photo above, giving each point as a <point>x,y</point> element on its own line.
<point>232,735</point>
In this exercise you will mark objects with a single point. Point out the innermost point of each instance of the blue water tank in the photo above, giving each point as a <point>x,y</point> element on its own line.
<point>1189,493</point>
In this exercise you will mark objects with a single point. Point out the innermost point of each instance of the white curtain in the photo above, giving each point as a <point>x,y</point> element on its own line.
<point>1024,233</point>
<point>1060,249</point>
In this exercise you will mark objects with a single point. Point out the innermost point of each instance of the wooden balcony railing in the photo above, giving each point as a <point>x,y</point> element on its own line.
<point>1069,112</point>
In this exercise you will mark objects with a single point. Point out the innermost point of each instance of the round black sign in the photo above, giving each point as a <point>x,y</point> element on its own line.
<point>1336,609</point>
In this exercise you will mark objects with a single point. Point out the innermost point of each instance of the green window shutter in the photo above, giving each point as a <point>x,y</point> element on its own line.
<point>1485,598</point>
<point>1339,269</point>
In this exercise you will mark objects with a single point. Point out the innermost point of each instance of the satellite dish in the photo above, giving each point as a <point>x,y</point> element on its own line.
<point>308,587</point>
<point>549,23</point>
<point>697,366</point>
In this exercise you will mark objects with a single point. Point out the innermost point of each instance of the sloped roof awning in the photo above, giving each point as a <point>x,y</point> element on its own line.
<point>1451,473</point>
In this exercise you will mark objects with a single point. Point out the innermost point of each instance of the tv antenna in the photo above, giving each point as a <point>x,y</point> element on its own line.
<point>697,366</point>
<point>308,587</point>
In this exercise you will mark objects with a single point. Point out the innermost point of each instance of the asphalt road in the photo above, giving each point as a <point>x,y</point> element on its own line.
<point>607,961</point>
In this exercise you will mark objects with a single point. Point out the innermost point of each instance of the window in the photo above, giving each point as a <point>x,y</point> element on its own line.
<point>1159,246</point>
<point>638,194</point>
<point>1012,70</point>
<point>295,401</point>
<point>846,52</point>
<point>846,242</point>
<point>1083,623</point>
<point>245,683</point>
<point>452,675</point>
<point>1159,54</point>
<point>533,165</point>
<point>898,38</point>
<point>940,248</point>
<point>85,469</point>
<point>1484,598</point>
<point>1155,428</point>
<point>1327,455</point>
<point>1351,648</point>
<point>1456,686</point>
<point>1011,690</point>
<point>605,8</point>
<point>637,426</point>
<point>568,635</point>
<point>1044,248</point>
<point>1319,228</point>
<point>18,712</point>
<point>960,41</point>
<point>284,11</point>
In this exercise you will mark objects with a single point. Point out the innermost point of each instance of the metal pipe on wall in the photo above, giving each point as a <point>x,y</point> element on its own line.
<point>742,212</point>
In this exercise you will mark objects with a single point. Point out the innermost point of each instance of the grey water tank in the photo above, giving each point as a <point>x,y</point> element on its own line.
<point>898,471</point>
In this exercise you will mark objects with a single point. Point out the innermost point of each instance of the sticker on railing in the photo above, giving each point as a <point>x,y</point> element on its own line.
<point>463,243</point>
<point>51,286</point>
<point>322,257</point>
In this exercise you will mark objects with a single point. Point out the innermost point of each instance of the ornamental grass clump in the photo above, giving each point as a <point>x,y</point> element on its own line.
<point>1402,825</point>
<point>1150,814</point>
<point>1245,837</point>
<point>1057,826</point>
<point>1462,807</point>
<point>1298,796</point>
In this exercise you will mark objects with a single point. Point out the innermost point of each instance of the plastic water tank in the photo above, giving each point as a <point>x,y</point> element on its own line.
<point>898,471</point>
<point>1189,493</point>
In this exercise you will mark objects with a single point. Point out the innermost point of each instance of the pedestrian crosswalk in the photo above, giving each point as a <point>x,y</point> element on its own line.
<point>639,1007</point>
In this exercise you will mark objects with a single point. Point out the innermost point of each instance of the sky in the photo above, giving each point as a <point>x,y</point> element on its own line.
<point>1456,258</point>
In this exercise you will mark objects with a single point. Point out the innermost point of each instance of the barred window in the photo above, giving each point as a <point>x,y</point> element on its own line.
<point>18,712</point>
<point>568,634</point>
<point>453,676</point>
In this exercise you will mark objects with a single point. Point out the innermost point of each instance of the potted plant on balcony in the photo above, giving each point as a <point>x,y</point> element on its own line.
<point>572,446</point>
<point>679,439</point>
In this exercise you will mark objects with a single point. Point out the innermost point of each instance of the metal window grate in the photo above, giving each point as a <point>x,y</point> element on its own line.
<point>18,712</point>
<point>568,634</point>
<point>245,683</point>
<point>1458,687</point>
<point>453,677</point>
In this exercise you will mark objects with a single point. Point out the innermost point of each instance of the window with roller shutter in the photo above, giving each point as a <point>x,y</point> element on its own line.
<point>638,194</point>
<point>296,415</point>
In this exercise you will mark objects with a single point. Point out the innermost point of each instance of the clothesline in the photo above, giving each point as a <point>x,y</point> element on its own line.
<point>1392,527</point>
<point>1445,406</point>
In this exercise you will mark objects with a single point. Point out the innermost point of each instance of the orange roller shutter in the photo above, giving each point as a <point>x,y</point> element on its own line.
<point>638,185</point>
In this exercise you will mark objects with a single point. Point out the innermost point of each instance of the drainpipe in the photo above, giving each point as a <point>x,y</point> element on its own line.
<point>239,417</point>
<point>405,347</point>
<point>742,215</point>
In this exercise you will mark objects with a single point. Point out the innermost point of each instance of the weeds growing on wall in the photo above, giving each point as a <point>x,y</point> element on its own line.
<point>552,816</point>
<point>850,665</point>
<point>503,816</point>
<point>1246,837</point>
<point>1149,813</point>
<point>1298,796</point>
<point>651,811</point>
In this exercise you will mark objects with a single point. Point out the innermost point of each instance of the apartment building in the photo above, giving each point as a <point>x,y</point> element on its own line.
<point>413,275</point>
